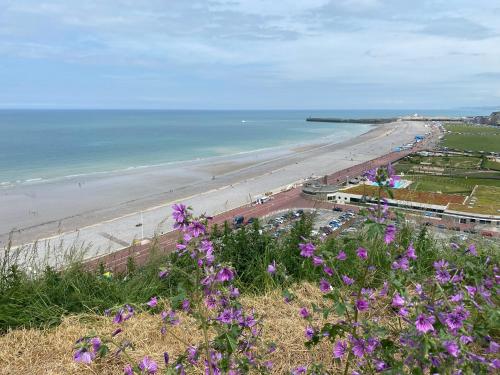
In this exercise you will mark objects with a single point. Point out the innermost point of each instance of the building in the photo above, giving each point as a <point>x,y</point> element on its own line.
<point>479,208</point>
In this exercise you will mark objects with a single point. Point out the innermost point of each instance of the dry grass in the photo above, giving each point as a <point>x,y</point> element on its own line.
<point>31,351</point>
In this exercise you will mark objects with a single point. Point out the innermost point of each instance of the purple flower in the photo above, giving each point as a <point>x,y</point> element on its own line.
<point>380,365</point>
<point>384,290</point>
<point>472,250</point>
<point>456,298</point>
<point>442,276</point>
<point>362,253</point>
<point>317,261</point>
<point>162,274</point>
<point>83,356</point>
<point>454,321</point>
<point>454,246</point>
<point>225,274</point>
<point>118,317</point>
<point>226,317</point>
<point>192,355</point>
<point>180,247</point>
<point>116,332</point>
<point>359,348</point>
<point>494,347</point>
<point>339,349</point>
<point>401,263</point>
<point>441,264</point>
<point>234,292</point>
<point>347,280</point>
<point>206,246</point>
<point>272,268</point>
<point>152,302</point>
<point>371,175</point>
<point>304,313</point>
<point>148,365</point>
<point>170,317</point>
<point>299,370</point>
<point>196,229</point>
<point>424,323</point>
<point>324,286</point>
<point>96,344</point>
<point>390,170</point>
<point>185,305</point>
<point>131,312</point>
<point>362,304</point>
<point>452,348</point>
<point>466,339</point>
<point>179,213</point>
<point>398,301</point>
<point>166,358</point>
<point>307,249</point>
<point>390,234</point>
<point>471,290</point>
<point>127,370</point>
<point>342,255</point>
<point>410,252</point>
<point>309,333</point>
<point>328,270</point>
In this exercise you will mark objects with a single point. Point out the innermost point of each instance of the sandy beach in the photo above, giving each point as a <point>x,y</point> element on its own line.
<point>104,210</point>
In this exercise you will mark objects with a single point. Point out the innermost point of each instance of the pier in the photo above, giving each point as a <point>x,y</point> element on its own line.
<point>384,120</point>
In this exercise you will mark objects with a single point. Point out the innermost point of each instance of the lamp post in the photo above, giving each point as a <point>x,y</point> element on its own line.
<point>142,227</point>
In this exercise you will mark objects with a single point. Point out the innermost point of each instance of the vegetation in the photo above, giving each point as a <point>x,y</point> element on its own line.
<point>473,138</point>
<point>472,129</point>
<point>450,162</point>
<point>451,185</point>
<point>394,301</point>
<point>493,165</point>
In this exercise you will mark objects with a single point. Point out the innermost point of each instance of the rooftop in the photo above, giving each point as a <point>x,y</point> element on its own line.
<point>408,195</point>
<point>483,200</point>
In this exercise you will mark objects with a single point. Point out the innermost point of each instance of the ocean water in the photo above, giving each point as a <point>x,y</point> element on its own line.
<point>39,145</point>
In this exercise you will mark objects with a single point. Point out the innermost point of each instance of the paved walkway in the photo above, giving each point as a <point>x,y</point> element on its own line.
<point>287,200</point>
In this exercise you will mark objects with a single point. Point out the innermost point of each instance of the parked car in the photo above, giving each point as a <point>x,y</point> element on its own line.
<point>238,220</point>
<point>326,230</point>
<point>338,209</point>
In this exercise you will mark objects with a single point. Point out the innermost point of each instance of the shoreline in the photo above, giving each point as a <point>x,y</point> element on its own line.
<point>232,188</point>
<point>35,179</point>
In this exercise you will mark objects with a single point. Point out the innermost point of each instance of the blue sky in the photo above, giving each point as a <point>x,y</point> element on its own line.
<point>249,54</point>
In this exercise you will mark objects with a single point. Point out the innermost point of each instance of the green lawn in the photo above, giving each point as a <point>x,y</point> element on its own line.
<point>452,185</point>
<point>472,137</point>
<point>452,162</point>
<point>493,165</point>
<point>472,129</point>
<point>487,143</point>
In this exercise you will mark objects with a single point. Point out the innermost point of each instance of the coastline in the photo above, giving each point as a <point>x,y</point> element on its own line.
<point>281,148</point>
<point>111,211</point>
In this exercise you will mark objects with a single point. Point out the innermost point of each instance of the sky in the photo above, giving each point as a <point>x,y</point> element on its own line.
<point>249,54</point>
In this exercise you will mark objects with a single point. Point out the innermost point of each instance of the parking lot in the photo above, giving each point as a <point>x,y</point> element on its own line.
<point>325,222</point>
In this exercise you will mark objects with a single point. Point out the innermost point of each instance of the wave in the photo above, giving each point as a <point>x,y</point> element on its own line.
<point>226,153</point>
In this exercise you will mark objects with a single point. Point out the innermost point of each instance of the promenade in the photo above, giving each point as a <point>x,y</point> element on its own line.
<point>286,200</point>
<point>229,194</point>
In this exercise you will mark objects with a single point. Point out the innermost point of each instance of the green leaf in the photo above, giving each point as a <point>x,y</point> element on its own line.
<point>232,343</point>
<point>340,308</point>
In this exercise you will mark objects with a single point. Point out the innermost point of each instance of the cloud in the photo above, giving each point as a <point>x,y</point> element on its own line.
<point>457,27</point>
<point>209,46</point>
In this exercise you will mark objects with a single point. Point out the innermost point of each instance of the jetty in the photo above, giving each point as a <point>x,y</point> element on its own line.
<point>385,120</point>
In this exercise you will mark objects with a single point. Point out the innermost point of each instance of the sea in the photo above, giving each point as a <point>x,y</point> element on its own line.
<point>41,145</point>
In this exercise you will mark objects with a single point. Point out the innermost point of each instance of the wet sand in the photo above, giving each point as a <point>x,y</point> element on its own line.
<point>104,210</point>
